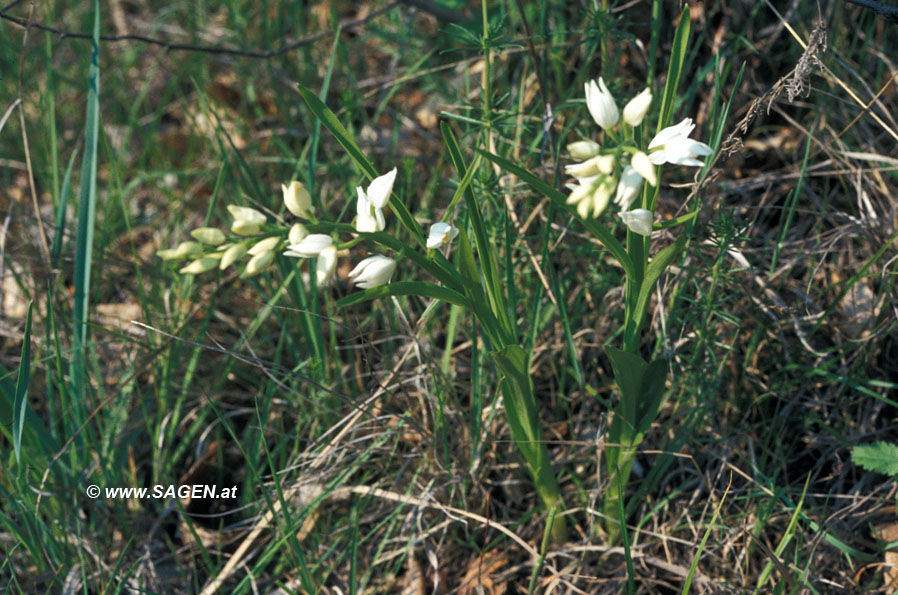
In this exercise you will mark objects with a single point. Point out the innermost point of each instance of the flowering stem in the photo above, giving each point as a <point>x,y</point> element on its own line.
<point>636,249</point>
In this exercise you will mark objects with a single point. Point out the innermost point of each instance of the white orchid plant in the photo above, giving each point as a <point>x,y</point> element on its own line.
<point>619,165</point>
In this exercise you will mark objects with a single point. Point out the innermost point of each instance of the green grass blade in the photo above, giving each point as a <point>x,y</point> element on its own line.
<point>675,69</point>
<point>56,248</point>
<point>20,404</point>
<point>701,546</point>
<point>87,205</point>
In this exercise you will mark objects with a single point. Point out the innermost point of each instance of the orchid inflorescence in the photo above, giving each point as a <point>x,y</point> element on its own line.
<point>620,168</point>
<point>250,223</point>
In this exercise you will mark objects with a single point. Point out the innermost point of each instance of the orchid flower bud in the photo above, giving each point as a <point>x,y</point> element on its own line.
<point>209,235</point>
<point>231,255</point>
<point>259,263</point>
<point>373,271</point>
<point>583,149</point>
<point>199,266</point>
<point>636,108</point>
<point>297,199</point>
<point>264,245</point>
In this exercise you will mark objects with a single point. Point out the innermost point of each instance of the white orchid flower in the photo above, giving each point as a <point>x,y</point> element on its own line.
<point>373,271</point>
<point>311,246</point>
<point>601,104</point>
<point>440,234</point>
<point>673,145</point>
<point>638,221</point>
<point>371,203</point>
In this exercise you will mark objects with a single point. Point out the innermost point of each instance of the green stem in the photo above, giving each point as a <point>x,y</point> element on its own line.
<point>636,250</point>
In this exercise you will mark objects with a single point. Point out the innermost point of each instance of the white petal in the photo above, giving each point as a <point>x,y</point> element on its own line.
<point>246,215</point>
<point>658,157</point>
<point>381,187</point>
<point>636,108</point>
<point>601,196</point>
<point>326,265</point>
<point>628,188</point>
<point>601,104</point>
<point>643,165</point>
<point>264,245</point>
<point>379,217</point>
<point>312,245</point>
<point>438,235</point>
<point>297,233</point>
<point>681,130</point>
